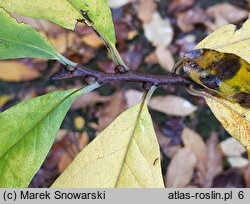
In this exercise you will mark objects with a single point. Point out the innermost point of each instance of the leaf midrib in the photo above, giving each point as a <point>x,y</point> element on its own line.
<point>31,46</point>
<point>130,140</point>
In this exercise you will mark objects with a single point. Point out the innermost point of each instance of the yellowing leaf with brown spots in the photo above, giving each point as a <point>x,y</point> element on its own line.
<point>125,155</point>
<point>234,118</point>
<point>13,71</point>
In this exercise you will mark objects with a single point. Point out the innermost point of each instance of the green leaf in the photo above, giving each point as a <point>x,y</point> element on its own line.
<point>126,154</point>
<point>58,11</point>
<point>66,12</point>
<point>18,40</point>
<point>27,132</point>
<point>99,13</point>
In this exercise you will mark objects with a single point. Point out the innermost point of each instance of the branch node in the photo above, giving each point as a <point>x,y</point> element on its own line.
<point>147,85</point>
<point>69,68</point>
<point>120,69</point>
<point>89,80</point>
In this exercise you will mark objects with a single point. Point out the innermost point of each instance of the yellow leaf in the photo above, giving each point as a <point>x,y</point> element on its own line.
<point>234,118</point>
<point>126,154</point>
<point>15,71</point>
<point>228,39</point>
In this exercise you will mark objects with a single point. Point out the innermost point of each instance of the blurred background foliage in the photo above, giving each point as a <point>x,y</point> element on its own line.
<point>151,36</point>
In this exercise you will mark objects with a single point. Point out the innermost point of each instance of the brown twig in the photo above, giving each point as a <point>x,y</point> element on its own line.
<point>121,74</point>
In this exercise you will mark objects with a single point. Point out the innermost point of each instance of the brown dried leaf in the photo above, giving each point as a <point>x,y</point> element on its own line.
<point>133,97</point>
<point>158,31</point>
<point>179,5</point>
<point>172,105</point>
<point>133,57</point>
<point>89,99</point>
<point>237,162</point>
<point>247,174</point>
<point>151,58</point>
<point>231,147</point>
<point>186,43</point>
<point>42,25</point>
<point>61,134</point>
<point>14,71</point>
<point>187,20</point>
<point>92,40</point>
<point>225,13</point>
<point>195,143</point>
<point>146,8</point>
<point>181,168</point>
<point>171,150</point>
<point>214,163</point>
<point>115,106</point>
<point>162,139</point>
<point>165,58</point>
<point>164,142</point>
<point>63,41</point>
<point>66,158</point>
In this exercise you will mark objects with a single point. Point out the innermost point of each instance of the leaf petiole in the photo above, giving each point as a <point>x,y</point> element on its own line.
<point>63,60</point>
<point>150,93</point>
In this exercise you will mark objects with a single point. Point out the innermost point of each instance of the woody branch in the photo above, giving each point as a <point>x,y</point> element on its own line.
<point>121,74</point>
